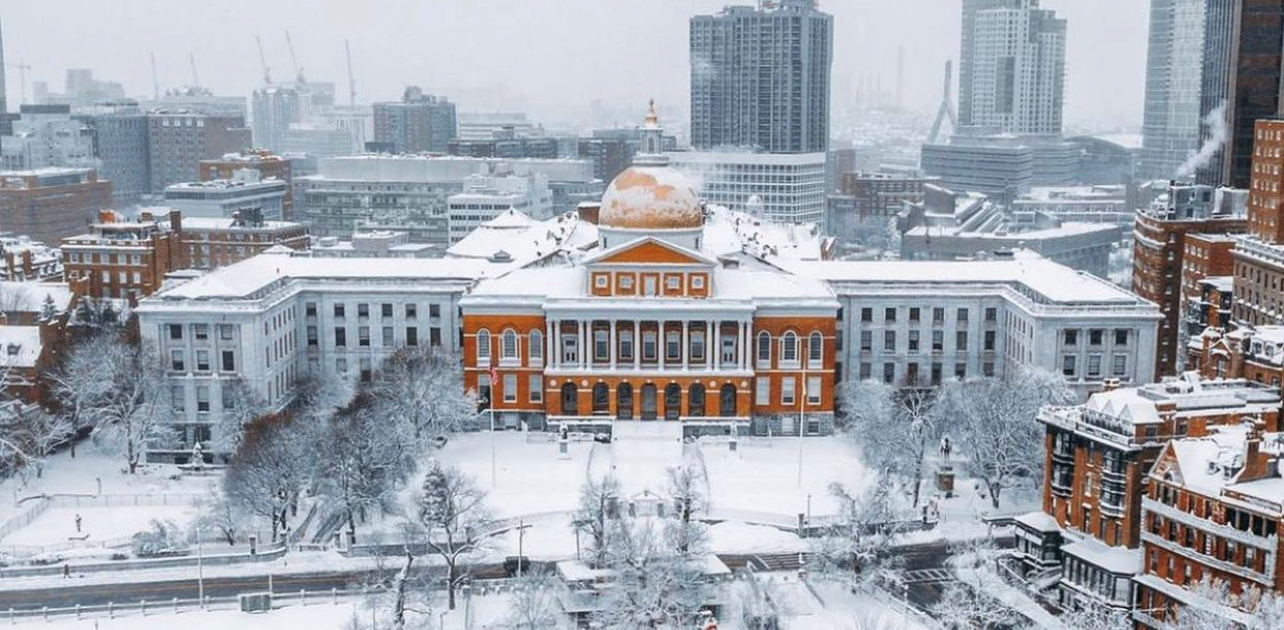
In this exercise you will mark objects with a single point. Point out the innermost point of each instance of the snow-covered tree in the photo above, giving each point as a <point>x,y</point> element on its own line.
<point>218,515</point>
<point>241,406</point>
<point>653,585</point>
<point>963,607</point>
<point>120,390</point>
<point>265,476</point>
<point>455,517</point>
<point>895,428</point>
<point>1094,616</point>
<point>360,462</point>
<point>994,421</point>
<point>425,387</point>
<point>1265,610</point>
<point>599,502</point>
<point>687,489</point>
<point>855,549</point>
<point>758,607</point>
<point>48,310</point>
<point>535,604</point>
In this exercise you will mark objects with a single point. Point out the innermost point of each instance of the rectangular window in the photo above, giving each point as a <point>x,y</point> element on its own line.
<point>201,331</point>
<point>762,391</point>
<point>865,371</point>
<point>938,341</point>
<point>938,315</point>
<point>225,332</point>
<point>366,371</point>
<point>1120,367</point>
<point>1068,365</point>
<point>412,336</point>
<point>363,310</point>
<point>960,371</point>
<point>340,336</point>
<point>960,341</point>
<point>312,336</point>
<point>697,345</point>
<point>626,345</point>
<point>866,340</point>
<point>889,372</point>
<point>412,311</point>
<point>889,314</point>
<point>341,365</point>
<point>363,336</point>
<point>889,340</point>
<point>1070,337</point>
<point>310,309</point>
<point>388,337</point>
<point>570,348</point>
<point>988,369</point>
<point>339,310</point>
<point>913,340</point>
<point>1096,337</point>
<point>510,388</point>
<point>1121,337</point>
<point>434,337</point>
<point>991,314</point>
<point>673,345</point>
<point>229,361</point>
<point>601,345</point>
<point>177,398</point>
<point>202,399</point>
<point>649,345</point>
<point>913,314</point>
<point>787,396</point>
<point>989,340</point>
<point>202,360</point>
<point>936,373</point>
<point>175,331</point>
<point>176,361</point>
<point>385,310</point>
<point>1094,365</point>
<point>434,310</point>
<point>813,390</point>
<point>536,385</point>
<point>963,314</point>
<point>867,314</point>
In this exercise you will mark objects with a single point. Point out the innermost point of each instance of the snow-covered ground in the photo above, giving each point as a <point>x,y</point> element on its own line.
<point>98,524</point>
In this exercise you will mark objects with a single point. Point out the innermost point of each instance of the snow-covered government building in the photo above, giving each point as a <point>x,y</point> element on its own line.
<point>650,306</point>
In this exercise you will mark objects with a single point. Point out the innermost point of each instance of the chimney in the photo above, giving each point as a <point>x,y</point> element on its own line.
<point>176,220</point>
<point>588,211</point>
<point>106,216</point>
<point>1110,384</point>
<point>145,216</point>
<point>1257,465</point>
<point>28,269</point>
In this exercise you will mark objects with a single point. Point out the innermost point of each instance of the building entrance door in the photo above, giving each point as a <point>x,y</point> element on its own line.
<point>648,402</point>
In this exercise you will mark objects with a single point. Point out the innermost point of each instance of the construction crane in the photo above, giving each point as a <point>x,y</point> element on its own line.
<point>352,83</point>
<point>298,70</point>
<point>22,78</point>
<point>196,79</point>
<point>155,81</point>
<point>267,73</point>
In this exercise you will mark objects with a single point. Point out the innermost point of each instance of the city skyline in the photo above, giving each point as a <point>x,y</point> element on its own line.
<point>1101,59</point>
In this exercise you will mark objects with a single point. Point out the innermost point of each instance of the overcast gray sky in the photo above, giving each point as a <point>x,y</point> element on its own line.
<point>548,57</point>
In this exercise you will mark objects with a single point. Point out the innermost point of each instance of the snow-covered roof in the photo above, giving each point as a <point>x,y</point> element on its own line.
<point>1124,404</point>
<point>29,297</point>
<point>218,223</point>
<point>1039,521</point>
<point>243,279</point>
<point>1212,465</point>
<point>729,232</point>
<point>526,243</point>
<point>1055,282</point>
<point>19,346</point>
<point>1117,560</point>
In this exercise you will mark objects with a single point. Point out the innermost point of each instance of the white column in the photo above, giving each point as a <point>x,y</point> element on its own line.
<point>661,344</point>
<point>686,342</point>
<point>615,348</point>
<point>550,344</point>
<point>716,355</point>
<point>637,344</point>
<point>749,348</point>
<point>584,344</point>
<point>740,347</point>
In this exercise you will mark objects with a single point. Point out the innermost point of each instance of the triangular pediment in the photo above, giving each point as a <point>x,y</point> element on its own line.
<point>650,250</point>
<point>1166,465</point>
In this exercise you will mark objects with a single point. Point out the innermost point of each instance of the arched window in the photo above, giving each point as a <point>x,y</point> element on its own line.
<point>727,401</point>
<point>570,400</point>
<point>672,401</point>
<point>508,346</point>
<point>601,399</point>
<point>789,348</point>
<point>483,347</point>
<point>624,401</point>
<point>764,349</point>
<point>815,349</point>
<point>695,400</point>
<point>536,347</point>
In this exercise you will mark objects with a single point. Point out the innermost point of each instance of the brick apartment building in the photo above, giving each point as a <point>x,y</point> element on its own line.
<point>23,259</point>
<point>1213,511</point>
<point>265,162</point>
<point>125,259</point>
<point>1160,236</point>
<point>1255,354</point>
<point>214,243</point>
<point>50,204</point>
<point>1259,257</point>
<point>179,140</point>
<point>1097,456</point>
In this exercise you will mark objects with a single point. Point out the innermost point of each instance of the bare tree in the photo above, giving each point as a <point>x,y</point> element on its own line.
<point>653,586</point>
<point>687,489</point>
<point>856,549</point>
<point>218,515</point>
<point>425,386</point>
<point>599,501</point>
<point>241,406</point>
<point>455,517</point>
<point>535,604</point>
<point>361,459</point>
<point>963,607</point>
<point>995,420</point>
<point>895,428</point>
<point>1094,616</point>
<point>264,477</point>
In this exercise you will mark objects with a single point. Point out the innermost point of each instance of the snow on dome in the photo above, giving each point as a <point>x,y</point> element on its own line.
<point>648,197</point>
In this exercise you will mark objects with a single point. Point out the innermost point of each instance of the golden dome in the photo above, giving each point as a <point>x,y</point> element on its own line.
<point>650,197</point>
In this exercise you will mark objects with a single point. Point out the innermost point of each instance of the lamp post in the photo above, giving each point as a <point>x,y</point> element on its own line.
<point>200,569</point>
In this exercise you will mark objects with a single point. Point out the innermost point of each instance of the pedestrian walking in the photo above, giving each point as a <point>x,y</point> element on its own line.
<point>77,523</point>
<point>66,571</point>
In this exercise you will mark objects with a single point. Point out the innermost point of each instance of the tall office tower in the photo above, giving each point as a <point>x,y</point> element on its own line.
<point>178,141</point>
<point>1174,87</point>
<point>1013,67</point>
<point>4,102</point>
<point>1219,35</point>
<point>760,77</point>
<point>419,122</point>
<point>1256,79</point>
<point>274,107</point>
<point>121,144</point>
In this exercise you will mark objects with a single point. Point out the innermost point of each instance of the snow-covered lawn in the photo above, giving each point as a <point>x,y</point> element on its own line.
<point>98,524</point>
